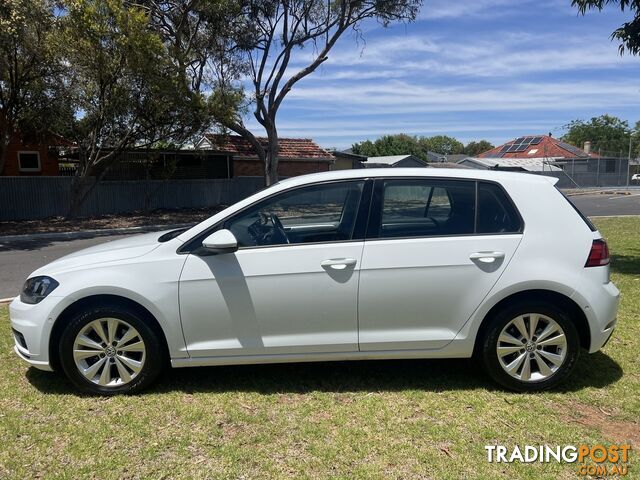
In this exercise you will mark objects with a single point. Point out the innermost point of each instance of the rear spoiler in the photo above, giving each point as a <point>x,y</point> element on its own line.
<point>551,180</point>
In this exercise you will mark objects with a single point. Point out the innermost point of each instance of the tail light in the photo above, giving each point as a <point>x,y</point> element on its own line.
<point>599,254</point>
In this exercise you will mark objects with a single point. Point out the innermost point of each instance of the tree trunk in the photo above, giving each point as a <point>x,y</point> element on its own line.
<point>80,189</point>
<point>3,156</point>
<point>4,145</point>
<point>271,160</point>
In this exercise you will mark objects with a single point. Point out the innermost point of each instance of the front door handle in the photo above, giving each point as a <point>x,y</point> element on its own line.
<point>487,257</point>
<point>338,263</point>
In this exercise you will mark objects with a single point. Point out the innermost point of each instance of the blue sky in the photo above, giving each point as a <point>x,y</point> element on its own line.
<point>483,69</point>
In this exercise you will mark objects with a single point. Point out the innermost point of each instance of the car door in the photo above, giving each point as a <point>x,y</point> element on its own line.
<point>291,288</point>
<point>434,250</point>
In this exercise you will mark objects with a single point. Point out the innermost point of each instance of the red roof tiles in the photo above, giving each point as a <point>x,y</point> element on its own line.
<point>298,148</point>
<point>548,147</point>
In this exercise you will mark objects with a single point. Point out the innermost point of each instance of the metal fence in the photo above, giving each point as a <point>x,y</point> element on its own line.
<point>24,198</point>
<point>595,172</point>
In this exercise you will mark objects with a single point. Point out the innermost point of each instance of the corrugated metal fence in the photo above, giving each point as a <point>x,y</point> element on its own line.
<point>24,198</point>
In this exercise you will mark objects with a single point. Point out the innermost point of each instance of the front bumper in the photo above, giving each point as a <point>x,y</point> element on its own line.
<point>31,325</point>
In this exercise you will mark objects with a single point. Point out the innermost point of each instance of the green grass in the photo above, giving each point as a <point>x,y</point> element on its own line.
<point>413,419</point>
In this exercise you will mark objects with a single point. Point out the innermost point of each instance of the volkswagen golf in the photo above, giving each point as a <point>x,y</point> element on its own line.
<point>346,265</point>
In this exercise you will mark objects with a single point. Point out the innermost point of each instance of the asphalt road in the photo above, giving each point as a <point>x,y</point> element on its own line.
<point>608,204</point>
<point>18,259</point>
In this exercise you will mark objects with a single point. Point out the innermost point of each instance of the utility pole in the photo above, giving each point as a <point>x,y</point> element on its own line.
<point>629,159</point>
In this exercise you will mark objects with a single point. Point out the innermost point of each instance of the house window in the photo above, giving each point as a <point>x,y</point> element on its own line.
<point>29,161</point>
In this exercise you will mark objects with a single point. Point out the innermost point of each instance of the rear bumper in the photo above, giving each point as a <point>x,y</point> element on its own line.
<point>600,305</point>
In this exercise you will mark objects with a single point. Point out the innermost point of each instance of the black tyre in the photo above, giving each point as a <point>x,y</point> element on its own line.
<point>110,350</point>
<point>530,346</point>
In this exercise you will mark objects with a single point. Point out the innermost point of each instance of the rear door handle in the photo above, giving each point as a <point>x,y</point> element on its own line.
<point>338,263</point>
<point>487,257</point>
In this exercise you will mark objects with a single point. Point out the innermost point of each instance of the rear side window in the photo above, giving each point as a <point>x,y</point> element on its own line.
<point>496,213</point>
<point>416,208</point>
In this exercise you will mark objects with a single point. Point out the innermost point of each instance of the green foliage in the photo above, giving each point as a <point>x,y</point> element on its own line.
<point>402,144</point>
<point>32,101</point>
<point>442,144</point>
<point>476,148</point>
<point>399,144</point>
<point>607,134</point>
<point>629,33</point>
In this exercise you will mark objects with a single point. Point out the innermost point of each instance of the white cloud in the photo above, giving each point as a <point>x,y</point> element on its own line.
<point>397,97</point>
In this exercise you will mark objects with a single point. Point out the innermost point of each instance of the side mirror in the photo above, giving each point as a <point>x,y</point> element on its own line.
<point>220,241</point>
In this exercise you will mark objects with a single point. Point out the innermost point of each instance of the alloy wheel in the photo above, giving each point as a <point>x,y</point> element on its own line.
<point>531,347</point>
<point>109,352</point>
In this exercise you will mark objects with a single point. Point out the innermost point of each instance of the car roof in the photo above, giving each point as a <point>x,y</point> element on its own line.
<point>475,174</point>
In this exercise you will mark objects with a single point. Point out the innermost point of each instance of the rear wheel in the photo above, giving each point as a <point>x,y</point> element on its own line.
<point>530,346</point>
<point>109,350</point>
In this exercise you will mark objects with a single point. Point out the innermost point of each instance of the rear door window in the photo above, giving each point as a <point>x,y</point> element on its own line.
<point>425,207</point>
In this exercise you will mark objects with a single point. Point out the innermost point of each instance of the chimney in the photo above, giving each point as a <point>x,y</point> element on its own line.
<point>587,147</point>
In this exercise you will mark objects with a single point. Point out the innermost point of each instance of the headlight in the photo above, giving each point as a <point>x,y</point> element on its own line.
<point>37,288</point>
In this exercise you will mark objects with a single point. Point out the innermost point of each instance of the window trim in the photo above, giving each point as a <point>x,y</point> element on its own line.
<point>378,200</point>
<point>29,152</point>
<point>359,228</point>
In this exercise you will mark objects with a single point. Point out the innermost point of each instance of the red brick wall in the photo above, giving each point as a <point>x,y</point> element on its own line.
<point>48,164</point>
<point>254,168</point>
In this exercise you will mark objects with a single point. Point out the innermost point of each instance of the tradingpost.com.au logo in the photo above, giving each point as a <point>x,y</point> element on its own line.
<point>593,460</point>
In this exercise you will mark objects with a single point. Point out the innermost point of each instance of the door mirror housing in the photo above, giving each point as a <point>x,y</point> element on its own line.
<point>220,241</point>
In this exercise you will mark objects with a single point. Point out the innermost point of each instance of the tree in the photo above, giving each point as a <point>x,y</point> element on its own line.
<point>266,36</point>
<point>402,144</point>
<point>476,148</point>
<point>31,81</point>
<point>126,89</point>
<point>442,144</point>
<point>629,33</point>
<point>399,144</point>
<point>607,134</point>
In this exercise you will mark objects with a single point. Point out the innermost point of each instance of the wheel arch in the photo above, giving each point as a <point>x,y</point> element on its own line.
<point>101,300</point>
<point>572,309</point>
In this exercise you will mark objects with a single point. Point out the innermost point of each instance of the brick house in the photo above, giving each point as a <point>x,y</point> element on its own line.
<point>298,156</point>
<point>32,158</point>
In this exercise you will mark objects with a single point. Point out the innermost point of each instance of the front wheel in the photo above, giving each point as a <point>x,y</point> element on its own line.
<point>530,347</point>
<point>108,350</point>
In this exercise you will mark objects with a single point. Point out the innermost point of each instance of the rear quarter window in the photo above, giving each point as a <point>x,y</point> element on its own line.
<point>496,212</point>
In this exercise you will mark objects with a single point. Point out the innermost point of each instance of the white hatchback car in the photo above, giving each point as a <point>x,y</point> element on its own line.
<point>345,265</point>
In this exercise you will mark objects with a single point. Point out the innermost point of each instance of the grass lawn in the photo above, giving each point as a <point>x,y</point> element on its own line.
<point>403,419</point>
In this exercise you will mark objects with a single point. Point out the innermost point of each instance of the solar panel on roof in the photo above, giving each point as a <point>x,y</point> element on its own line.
<point>536,140</point>
<point>518,140</point>
<point>505,148</point>
<point>522,147</point>
<point>570,148</point>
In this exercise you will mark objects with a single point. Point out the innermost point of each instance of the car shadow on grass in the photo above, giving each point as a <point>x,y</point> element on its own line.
<point>597,370</point>
<point>625,264</point>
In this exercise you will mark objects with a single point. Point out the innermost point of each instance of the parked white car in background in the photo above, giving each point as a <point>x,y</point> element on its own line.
<point>345,265</point>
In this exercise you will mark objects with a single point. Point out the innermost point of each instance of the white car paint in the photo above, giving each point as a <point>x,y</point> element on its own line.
<point>393,298</point>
